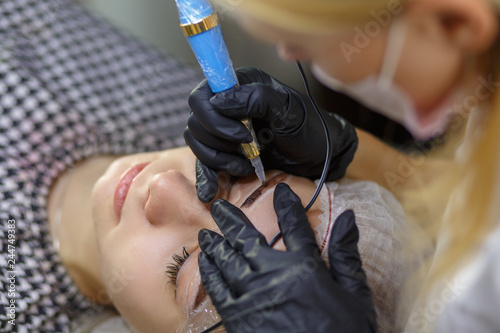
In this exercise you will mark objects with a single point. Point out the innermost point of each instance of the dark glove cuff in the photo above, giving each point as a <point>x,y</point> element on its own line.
<point>342,159</point>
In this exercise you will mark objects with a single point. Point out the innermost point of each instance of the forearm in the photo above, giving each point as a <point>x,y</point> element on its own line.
<point>393,169</point>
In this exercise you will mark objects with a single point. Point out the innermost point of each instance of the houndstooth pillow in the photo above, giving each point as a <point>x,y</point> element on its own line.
<point>71,87</point>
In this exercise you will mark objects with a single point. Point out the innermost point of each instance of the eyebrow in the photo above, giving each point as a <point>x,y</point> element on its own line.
<point>258,192</point>
<point>201,294</point>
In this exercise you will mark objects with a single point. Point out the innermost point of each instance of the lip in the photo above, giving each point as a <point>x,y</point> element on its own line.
<point>124,185</point>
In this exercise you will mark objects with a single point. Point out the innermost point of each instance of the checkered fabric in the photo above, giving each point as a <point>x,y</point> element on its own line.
<point>71,87</point>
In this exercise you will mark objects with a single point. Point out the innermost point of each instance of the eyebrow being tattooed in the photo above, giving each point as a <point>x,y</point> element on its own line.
<point>173,268</point>
<point>257,193</point>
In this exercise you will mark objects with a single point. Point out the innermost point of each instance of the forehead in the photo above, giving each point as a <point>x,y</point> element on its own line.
<point>265,31</point>
<point>273,34</point>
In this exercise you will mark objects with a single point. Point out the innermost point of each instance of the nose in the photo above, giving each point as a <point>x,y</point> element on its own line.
<point>172,200</point>
<point>290,53</point>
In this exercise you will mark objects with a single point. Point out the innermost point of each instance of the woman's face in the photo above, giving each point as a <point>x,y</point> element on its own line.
<point>322,49</point>
<point>139,231</point>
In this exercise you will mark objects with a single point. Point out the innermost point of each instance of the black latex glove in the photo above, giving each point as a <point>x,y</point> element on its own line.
<point>288,129</point>
<point>258,289</point>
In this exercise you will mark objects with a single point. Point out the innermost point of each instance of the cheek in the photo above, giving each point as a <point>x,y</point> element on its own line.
<point>102,199</point>
<point>291,53</point>
<point>347,59</point>
<point>133,274</point>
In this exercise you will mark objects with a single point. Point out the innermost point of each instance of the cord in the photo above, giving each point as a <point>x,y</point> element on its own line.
<point>213,327</point>
<point>328,158</point>
<point>328,150</point>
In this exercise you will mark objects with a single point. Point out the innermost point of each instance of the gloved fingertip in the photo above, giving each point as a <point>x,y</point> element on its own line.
<point>205,239</point>
<point>348,217</point>
<point>220,99</point>
<point>207,182</point>
<point>248,138</point>
<point>206,267</point>
<point>240,168</point>
<point>284,196</point>
<point>202,256</point>
<point>206,263</point>
<point>203,260</point>
<point>206,192</point>
<point>344,230</point>
<point>345,222</point>
<point>216,206</point>
<point>282,187</point>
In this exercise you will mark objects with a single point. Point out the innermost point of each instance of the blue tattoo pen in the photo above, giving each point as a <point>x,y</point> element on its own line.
<point>201,26</point>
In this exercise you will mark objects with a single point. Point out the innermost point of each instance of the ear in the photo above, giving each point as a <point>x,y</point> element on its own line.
<point>470,25</point>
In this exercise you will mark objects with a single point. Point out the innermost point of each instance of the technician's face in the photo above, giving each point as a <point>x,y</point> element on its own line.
<point>322,48</point>
<point>139,232</point>
<point>427,69</point>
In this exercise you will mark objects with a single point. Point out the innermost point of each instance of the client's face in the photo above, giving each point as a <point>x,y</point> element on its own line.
<point>147,217</point>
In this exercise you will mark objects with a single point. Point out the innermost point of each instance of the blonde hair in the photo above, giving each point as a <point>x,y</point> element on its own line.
<point>313,15</point>
<point>472,180</point>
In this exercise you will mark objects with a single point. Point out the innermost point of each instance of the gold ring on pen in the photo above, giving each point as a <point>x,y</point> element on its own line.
<point>209,22</point>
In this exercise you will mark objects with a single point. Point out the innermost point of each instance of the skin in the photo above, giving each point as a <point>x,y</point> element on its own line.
<point>442,37</point>
<point>121,261</point>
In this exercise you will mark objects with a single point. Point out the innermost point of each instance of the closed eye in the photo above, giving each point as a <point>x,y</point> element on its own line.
<point>173,268</point>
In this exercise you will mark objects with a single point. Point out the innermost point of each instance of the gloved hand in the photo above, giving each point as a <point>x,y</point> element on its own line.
<point>258,289</point>
<point>288,129</point>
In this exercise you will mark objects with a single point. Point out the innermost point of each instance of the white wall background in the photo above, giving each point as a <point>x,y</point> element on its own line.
<point>156,22</point>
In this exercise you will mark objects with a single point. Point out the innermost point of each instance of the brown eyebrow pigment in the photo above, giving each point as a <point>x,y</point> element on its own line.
<point>257,193</point>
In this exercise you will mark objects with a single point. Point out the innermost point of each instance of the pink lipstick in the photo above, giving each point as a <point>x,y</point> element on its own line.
<point>124,185</point>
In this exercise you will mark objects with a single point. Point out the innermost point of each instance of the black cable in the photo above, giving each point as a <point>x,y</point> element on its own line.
<point>328,159</point>
<point>328,150</point>
<point>211,328</point>
<point>323,174</point>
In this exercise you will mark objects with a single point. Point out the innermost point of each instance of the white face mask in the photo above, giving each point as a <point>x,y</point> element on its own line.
<point>380,93</point>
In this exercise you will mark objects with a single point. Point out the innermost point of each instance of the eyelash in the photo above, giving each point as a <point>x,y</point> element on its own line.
<point>174,268</point>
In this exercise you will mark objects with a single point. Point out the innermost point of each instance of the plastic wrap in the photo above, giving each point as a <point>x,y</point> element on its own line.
<point>208,46</point>
<point>201,316</point>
